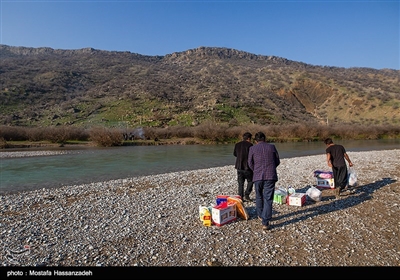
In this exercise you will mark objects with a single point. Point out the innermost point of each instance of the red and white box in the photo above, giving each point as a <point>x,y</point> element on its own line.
<point>223,213</point>
<point>325,183</point>
<point>297,199</point>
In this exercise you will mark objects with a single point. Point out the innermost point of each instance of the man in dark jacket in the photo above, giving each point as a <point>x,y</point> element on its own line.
<point>244,173</point>
<point>263,160</point>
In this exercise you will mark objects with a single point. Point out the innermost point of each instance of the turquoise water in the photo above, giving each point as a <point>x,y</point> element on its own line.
<point>99,164</point>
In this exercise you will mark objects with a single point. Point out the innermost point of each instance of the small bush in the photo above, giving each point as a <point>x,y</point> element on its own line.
<point>104,137</point>
<point>3,143</point>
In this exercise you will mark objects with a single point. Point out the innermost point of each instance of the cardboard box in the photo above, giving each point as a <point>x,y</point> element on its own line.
<point>224,198</point>
<point>297,199</point>
<point>325,183</point>
<point>224,213</point>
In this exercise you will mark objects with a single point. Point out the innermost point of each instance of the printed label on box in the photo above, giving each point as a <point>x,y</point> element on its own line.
<point>325,183</point>
<point>223,213</point>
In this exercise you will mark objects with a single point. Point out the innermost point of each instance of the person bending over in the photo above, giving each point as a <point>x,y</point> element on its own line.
<point>335,157</point>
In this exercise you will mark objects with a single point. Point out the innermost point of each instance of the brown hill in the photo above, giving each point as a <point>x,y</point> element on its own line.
<point>86,87</point>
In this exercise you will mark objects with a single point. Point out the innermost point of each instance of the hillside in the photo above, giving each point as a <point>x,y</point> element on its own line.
<point>87,87</point>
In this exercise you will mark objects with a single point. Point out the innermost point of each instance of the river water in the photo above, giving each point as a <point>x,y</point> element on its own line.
<point>85,165</point>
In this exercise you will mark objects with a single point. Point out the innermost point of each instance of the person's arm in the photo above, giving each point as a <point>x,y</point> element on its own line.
<point>250,162</point>
<point>328,159</point>
<point>346,156</point>
<point>277,159</point>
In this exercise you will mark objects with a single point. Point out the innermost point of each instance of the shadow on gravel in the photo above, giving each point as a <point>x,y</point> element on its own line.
<point>362,193</point>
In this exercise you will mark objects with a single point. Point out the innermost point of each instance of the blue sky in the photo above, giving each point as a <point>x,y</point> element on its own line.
<point>326,33</point>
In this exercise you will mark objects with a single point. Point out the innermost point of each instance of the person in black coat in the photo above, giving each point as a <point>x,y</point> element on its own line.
<point>244,173</point>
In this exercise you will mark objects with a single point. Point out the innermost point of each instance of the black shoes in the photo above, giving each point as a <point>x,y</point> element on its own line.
<point>247,198</point>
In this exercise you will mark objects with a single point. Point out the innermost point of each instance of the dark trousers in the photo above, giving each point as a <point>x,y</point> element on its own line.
<point>242,176</point>
<point>264,198</point>
<point>340,176</point>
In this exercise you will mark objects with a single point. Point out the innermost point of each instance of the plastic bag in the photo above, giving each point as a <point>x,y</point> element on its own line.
<point>352,177</point>
<point>323,174</point>
<point>281,191</point>
<point>291,190</point>
<point>280,195</point>
<point>314,193</point>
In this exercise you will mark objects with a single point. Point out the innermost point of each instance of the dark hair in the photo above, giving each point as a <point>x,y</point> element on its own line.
<point>259,136</point>
<point>247,135</point>
<point>328,141</point>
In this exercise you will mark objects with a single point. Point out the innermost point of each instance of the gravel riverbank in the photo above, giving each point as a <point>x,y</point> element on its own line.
<point>154,221</point>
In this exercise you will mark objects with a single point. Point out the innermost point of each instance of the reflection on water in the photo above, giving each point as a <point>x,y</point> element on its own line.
<point>99,164</point>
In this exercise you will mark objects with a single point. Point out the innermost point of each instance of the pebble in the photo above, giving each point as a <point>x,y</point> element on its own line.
<point>154,221</point>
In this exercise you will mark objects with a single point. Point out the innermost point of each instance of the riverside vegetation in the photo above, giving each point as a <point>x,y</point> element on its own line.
<point>207,132</point>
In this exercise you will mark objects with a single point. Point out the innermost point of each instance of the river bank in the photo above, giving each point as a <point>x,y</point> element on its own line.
<point>9,145</point>
<point>154,221</point>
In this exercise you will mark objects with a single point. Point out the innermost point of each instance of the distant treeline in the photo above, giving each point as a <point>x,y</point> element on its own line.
<point>208,132</point>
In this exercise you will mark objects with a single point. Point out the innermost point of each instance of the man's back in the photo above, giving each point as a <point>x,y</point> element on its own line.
<point>241,152</point>
<point>337,154</point>
<point>263,160</point>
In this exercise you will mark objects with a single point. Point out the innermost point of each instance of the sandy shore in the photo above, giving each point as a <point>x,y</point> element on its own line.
<point>154,221</point>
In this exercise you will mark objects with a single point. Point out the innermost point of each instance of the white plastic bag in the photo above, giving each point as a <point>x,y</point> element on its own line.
<point>281,191</point>
<point>314,193</point>
<point>352,177</point>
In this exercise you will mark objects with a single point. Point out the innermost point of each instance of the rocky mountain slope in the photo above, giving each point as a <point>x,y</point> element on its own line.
<point>86,87</point>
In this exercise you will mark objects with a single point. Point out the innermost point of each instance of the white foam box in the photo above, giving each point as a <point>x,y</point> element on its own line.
<point>297,199</point>
<point>325,183</point>
<point>223,213</point>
